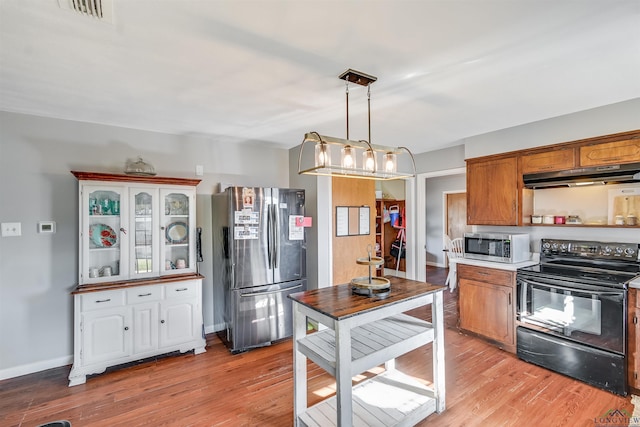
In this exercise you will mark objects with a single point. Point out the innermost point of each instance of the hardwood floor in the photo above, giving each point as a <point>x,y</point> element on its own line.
<point>485,386</point>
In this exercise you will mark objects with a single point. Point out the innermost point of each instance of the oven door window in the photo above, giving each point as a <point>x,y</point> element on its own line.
<point>593,317</point>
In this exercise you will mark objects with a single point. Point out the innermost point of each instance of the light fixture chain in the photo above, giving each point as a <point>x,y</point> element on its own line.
<point>369,109</point>
<point>346,88</point>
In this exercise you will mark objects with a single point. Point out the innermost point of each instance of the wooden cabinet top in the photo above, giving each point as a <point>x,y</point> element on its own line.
<point>100,176</point>
<point>610,153</point>
<point>627,142</point>
<point>551,160</point>
<point>338,302</point>
<point>122,284</point>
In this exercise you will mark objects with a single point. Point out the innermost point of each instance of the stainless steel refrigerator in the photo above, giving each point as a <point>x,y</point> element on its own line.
<point>259,257</point>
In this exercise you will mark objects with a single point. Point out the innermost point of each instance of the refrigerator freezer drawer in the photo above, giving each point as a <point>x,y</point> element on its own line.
<point>261,315</point>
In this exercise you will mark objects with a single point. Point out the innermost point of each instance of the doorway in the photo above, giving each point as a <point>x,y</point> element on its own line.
<point>429,237</point>
<point>455,216</point>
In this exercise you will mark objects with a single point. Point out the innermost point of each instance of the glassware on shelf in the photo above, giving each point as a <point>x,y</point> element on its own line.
<point>139,167</point>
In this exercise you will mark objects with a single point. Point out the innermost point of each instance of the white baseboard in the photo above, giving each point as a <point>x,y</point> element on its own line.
<point>31,368</point>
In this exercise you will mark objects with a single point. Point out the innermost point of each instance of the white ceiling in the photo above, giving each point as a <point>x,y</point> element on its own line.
<point>266,71</point>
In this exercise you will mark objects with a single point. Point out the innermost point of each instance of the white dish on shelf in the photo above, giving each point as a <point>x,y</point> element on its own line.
<point>177,232</point>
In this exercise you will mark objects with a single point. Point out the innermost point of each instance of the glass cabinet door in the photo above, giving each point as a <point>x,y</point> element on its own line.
<point>177,248</point>
<point>144,238</point>
<point>104,234</point>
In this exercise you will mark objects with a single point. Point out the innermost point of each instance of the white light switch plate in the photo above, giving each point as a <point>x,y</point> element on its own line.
<point>11,229</point>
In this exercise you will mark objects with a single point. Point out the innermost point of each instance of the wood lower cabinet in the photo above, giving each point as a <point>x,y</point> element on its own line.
<point>130,323</point>
<point>633,343</point>
<point>611,153</point>
<point>493,186</point>
<point>486,303</point>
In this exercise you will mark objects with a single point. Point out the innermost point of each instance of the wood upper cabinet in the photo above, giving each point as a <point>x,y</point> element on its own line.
<point>610,153</point>
<point>493,191</point>
<point>550,160</point>
<point>487,304</point>
<point>633,343</point>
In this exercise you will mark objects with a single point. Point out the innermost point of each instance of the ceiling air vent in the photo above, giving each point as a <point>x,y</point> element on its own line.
<point>99,9</point>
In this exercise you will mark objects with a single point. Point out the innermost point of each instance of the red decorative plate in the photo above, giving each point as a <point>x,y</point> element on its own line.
<point>102,235</point>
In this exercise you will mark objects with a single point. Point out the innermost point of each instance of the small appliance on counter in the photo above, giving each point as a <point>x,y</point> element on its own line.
<point>497,247</point>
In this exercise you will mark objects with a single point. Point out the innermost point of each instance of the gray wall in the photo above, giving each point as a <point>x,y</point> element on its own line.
<point>38,271</point>
<point>614,118</point>
<point>439,160</point>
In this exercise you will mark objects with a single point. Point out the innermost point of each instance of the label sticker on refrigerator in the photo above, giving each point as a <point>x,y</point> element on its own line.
<point>296,232</point>
<point>245,233</point>
<point>246,217</point>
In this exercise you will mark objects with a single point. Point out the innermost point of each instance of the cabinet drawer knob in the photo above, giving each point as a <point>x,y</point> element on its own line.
<point>126,328</point>
<point>162,321</point>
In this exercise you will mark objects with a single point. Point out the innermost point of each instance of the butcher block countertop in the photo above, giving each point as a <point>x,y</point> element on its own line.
<point>338,302</point>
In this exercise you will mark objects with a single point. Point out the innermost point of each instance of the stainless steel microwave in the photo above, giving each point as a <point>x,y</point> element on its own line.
<point>498,247</point>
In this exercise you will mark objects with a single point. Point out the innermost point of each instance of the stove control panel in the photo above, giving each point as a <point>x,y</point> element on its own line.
<point>588,249</point>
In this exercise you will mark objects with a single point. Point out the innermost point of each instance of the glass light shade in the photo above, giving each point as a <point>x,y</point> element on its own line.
<point>323,155</point>
<point>389,162</point>
<point>348,157</point>
<point>369,161</point>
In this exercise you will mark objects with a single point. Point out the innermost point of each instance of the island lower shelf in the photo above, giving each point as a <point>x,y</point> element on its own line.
<point>388,399</point>
<point>371,344</point>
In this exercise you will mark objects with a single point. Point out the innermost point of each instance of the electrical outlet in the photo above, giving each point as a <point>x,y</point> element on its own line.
<point>11,229</point>
<point>199,170</point>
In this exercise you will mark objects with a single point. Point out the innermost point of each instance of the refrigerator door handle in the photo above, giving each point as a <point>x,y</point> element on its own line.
<point>269,238</point>
<point>276,235</point>
<point>253,294</point>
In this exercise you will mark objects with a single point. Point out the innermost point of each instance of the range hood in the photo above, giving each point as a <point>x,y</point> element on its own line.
<point>612,174</point>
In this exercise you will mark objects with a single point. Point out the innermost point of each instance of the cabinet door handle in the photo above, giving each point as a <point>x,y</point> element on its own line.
<point>103,300</point>
<point>123,230</point>
<point>509,299</point>
<point>126,328</point>
<point>162,321</point>
<point>144,295</point>
<point>182,289</point>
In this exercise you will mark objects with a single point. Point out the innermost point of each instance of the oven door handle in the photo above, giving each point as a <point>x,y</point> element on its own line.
<point>565,288</point>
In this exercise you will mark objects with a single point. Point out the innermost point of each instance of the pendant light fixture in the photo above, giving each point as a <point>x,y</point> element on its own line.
<point>348,165</point>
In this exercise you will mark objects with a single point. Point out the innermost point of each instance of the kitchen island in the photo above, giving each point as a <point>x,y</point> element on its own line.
<point>361,333</point>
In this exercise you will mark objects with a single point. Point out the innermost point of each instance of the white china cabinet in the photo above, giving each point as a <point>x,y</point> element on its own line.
<point>132,229</point>
<point>139,294</point>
